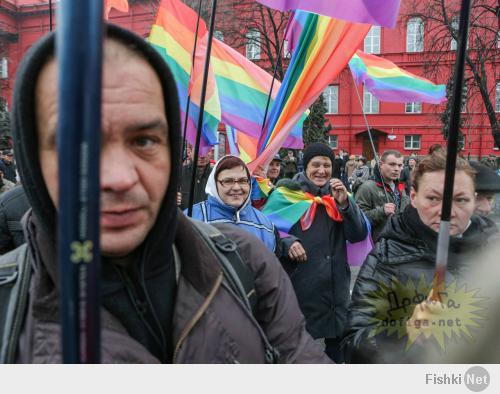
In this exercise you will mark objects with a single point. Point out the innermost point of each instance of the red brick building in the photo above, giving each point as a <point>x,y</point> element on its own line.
<point>411,127</point>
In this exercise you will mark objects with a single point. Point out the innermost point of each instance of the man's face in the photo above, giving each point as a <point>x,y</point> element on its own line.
<point>429,200</point>
<point>203,161</point>
<point>7,158</point>
<point>484,203</point>
<point>273,171</point>
<point>135,153</point>
<point>391,167</point>
<point>319,170</point>
<point>233,186</point>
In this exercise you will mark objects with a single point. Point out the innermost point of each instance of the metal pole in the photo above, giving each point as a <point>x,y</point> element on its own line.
<point>451,158</point>
<point>278,61</point>
<point>377,160</point>
<point>188,103</point>
<point>50,15</point>
<point>79,55</point>
<point>202,107</point>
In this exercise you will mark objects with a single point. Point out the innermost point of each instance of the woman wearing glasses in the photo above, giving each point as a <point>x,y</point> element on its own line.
<point>229,189</point>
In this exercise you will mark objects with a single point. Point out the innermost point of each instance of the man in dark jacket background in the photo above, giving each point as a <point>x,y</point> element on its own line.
<point>164,297</point>
<point>372,198</point>
<point>202,173</point>
<point>13,206</point>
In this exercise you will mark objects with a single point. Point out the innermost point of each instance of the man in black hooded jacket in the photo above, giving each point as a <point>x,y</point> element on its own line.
<point>164,296</point>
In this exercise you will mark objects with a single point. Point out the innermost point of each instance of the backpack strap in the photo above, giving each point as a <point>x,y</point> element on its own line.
<point>15,275</point>
<point>236,273</point>
<point>239,277</point>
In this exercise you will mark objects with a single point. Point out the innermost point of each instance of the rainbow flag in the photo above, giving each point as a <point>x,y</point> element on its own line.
<point>173,36</point>
<point>243,92</point>
<point>285,207</point>
<point>325,47</point>
<point>374,12</point>
<point>388,82</point>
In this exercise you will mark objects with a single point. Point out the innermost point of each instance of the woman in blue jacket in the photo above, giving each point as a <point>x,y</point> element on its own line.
<point>229,188</point>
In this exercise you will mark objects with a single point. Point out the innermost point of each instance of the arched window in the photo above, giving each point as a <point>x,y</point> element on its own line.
<point>415,35</point>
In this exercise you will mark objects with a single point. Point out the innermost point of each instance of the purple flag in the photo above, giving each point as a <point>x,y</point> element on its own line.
<point>374,12</point>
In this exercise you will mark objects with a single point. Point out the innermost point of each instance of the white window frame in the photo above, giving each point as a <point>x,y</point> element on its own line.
<point>454,26</point>
<point>253,45</point>
<point>219,35</point>
<point>463,108</point>
<point>413,142</point>
<point>415,35</point>
<point>497,97</point>
<point>286,50</point>
<point>331,97</point>
<point>372,40</point>
<point>4,68</point>
<point>413,108</point>
<point>371,104</point>
<point>333,141</point>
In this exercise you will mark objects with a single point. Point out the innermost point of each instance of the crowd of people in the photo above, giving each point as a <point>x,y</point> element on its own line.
<point>267,278</point>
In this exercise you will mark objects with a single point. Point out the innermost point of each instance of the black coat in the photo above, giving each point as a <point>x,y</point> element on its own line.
<point>13,206</point>
<point>322,282</point>
<point>199,188</point>
<point>406,251</point>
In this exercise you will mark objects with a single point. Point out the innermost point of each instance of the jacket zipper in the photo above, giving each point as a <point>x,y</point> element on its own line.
<point>185,332</point>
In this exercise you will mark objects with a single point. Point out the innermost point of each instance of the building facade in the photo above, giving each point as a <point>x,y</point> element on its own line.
<point>408,127</point>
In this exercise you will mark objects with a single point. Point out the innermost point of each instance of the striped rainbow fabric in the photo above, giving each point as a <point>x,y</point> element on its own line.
<point>173,36</point>
<point>243,92</point>
<point>285,207</point>
<point>325,47</point>
<point>388,82</point>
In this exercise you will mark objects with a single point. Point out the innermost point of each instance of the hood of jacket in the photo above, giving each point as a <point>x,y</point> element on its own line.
<point>42,227</point>
<point>211,190</point>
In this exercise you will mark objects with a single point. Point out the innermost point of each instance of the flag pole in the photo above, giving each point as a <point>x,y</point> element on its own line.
<point>188,103</point>
<point>202,107</point>
<point>451,157</point>
<point>50,15</point>
<point>79,55</point>
<point>275,71</point>
<point>370,137</point>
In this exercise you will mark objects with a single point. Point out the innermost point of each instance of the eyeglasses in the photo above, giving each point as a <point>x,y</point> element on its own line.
<point>229,182</point>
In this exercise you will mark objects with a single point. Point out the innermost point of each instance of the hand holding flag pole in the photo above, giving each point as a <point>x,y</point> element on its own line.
<point>451,158</point>
<point>79,56</point>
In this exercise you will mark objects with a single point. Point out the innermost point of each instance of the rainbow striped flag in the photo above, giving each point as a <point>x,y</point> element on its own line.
<point>325,47</point>
<point>388,82</point>
<point>374,12</point>
<point>243,92</point>
<point>285,207</point>
<point>173,36</point>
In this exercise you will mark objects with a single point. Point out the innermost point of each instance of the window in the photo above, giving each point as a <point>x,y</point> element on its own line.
<point>413,108</point>
<point>497,98</point>
<point>219,35</point>
<point>333,141</point>
<point>412,142</point>
<point>464,98</point>
<point>372,40</point>
<point>370,103</point>
<point>415,35</point>
<point>253,45</point>
<point>4,72</point>
<point>286,50</point>
<point>331,97</point>
<point>454,27</point>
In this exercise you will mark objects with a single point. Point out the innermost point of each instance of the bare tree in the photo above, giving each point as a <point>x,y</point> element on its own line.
<point>441,21</point>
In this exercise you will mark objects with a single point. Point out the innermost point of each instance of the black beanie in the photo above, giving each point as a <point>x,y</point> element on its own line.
<point>317,149</point>
<point>487,181</point>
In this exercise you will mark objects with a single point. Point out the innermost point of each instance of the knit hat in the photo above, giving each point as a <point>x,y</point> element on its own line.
<point>317,149</point>
<point>487,181</point>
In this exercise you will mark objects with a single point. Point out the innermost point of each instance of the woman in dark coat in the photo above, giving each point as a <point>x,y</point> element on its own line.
<point>322,281</point>
<point>393,290</point>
